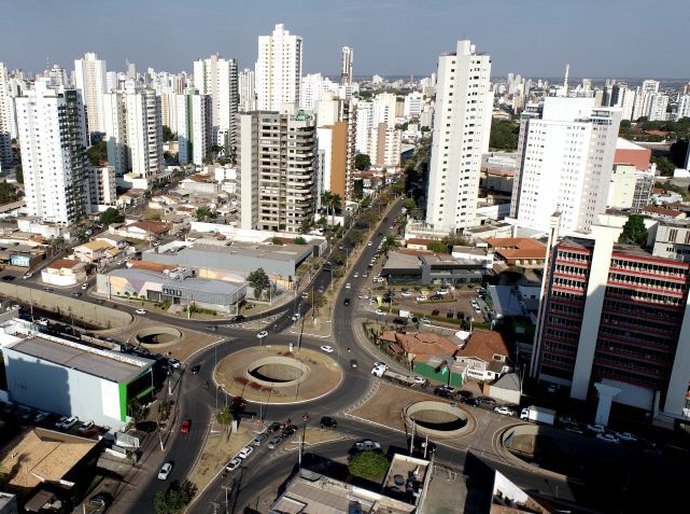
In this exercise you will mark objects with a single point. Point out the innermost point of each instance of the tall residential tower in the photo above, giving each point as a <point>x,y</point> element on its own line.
<point>462,123</point>
<point>89,74</point>
<point>278,70</point>
<point>217,78</point>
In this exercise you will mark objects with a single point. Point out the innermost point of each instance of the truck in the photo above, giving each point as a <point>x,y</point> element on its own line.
<point>538,415</point>
<point>384,372</point>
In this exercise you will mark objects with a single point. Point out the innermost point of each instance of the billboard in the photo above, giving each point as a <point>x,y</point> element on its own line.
<point>23,261</point>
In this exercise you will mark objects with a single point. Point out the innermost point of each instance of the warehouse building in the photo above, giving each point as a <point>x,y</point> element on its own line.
<point>69,378</point>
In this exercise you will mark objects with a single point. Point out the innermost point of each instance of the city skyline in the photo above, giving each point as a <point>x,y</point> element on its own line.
<point>391,38</point>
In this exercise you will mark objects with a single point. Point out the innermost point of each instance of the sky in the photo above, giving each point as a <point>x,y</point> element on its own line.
<point>536,38</point>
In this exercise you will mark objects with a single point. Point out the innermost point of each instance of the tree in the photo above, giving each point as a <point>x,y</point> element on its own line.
<point>362,162</point>
<point>277,241</point>
<point>390,243</point>
<point>318,300</point>
<point>356,236</point>
<point>664,165</point>
<point>168,135</point>
<point>8,193</point>
<point>369,465</point>
<point>259,281</point>
<point>299,240</point>
<point>110,215</point>
<point>332,202</point>
<point>306,225</point>
<point>98,154</point>
<point>437,247</point>
<point>19,175</point>
<point>224,418</point>
<point>634,231</point>
<point>504,134</point>
<point>175,498</point>
<point>204,214</point>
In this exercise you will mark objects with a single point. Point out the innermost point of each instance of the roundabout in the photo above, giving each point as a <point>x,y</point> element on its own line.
<point>275,375</point>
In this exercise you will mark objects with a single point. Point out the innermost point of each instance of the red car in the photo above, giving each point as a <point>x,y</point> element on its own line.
<point>185,426</point>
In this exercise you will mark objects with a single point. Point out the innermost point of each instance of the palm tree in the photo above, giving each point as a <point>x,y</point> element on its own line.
<point>224,417</point>
<point>331,202</point>
<point>390,243</point>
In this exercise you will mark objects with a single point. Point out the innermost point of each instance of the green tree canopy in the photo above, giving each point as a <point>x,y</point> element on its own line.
<point>204,214</point>
<point>504,134</point>
<point>8,193</point>
<point>664,165</point>
<point>168,135</point>
<point>110,215</point>
<point>634,231</point>
<point>224,418</point>
<point>175,498</point>
<point>259,279</point>
<point>98,154</point>
<point>362,161</point>
<point>299,240</point>
<point>390,243</point>
<point>369,465</point>
<point>19,175</point>
<point>318,300</point>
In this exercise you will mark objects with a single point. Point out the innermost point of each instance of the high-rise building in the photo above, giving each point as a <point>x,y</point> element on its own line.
<point>566,154</point>
<point>278,70</point>
<point>277,170</point>
<point>346,66</point>
<point>313,88</point>
<point>193,127</point>
<point>134,131</point>
<point>643,98</point>
<point>615,322</point>
<point>6,119</point>
<point>217,78</point>
<point>52,137</point>
<point>90,78</point>
<point>657,107</point>
<point>247,90</point>
<point>462,124</point>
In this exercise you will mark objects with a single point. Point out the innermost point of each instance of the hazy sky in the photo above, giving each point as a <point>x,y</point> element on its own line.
<point>599,38</point>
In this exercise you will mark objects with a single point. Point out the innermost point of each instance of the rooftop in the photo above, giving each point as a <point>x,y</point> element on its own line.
<point>277,252</point>
<point>64,264</point>
<point>484,345</point>
<point>624,144</point>
<point>106,364</point>
<point>150,226</point>
<point>517,247</point>
<point>40,455</point>
<point>421,345</point>
<point>401,260</point>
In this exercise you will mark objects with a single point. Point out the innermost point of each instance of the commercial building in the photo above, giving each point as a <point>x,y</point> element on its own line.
<point>217,78</point>
<point>232,260</point>
<point>134,130</point>
<point>177,286</point>
<point>462,124</point>
<point>566,155</point>
<point>517,251</point>
<point>52,135</point>
<point>278,70</point>
<point>89,75</point>
<point>68,378</point>
<point>277,157</point>
<point>671,240</point>
<point>64,272</point>
<point>194,128</point>
<point>430,269</point>
<point>615,321</point>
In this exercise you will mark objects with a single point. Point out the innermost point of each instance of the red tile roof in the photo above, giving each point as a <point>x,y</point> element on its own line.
<point>484,344</point>
<point>517,247</point>
<point>64,264</point>
<point>420,344</point>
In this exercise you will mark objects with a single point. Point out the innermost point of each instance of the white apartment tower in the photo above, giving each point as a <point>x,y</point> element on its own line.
<point>193,127</point>
<point>278,70</point>
<point>566,160</point>
<point>217,78</point>
<point>247,101</point>
<point>52,136</point>
<point>90,78</point>
<point>462,123</point>
<point>277,170</point>
<point>134,131</point>
<point>346,67</point>
<point>6,120</point>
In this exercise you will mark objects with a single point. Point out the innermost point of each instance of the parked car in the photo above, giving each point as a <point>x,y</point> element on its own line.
<point>328,422</point>
<point>76,294</point>
<point>233,464</point>
<point>422,298</point>
<point>444,391</point>
<point>326,348</point>
<point>400,321</point>
<point>442,292</point>
<point>87,425</point>
<point>435,297</point>
<point>245,452</point>
<point>347,285</point>
<point>356,275</point>
<point>296,316</point>
<point>84,286</point>
<point>626,436</point>
<point>367,445</point>
<point>165,470</point>
<point>406,294</point>
<point>100,501</point>
<point>275,442</point>
<point>596,428</point>
<point>485,401</point>
<point>260,439</point>
<point>506,411</point>
<point>69,422</point>
<point>609,438</point>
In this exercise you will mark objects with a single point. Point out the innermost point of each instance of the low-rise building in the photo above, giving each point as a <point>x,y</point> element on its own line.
<point>200,184</point>
<point>64,272</point>
<point>485,356</point>
<point>177,286</point>
<point>75,379</point>
<point>424,268</point>
<point>93,251</point>
<point>518,251</point>
<point>144,229</point>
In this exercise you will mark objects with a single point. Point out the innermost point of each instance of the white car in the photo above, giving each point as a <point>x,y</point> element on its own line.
<point>296,316</point>
<point>367,445</point>
<point>506,411</point>
<point>165,471</point>
<point>356,275</point>
<point>262,334</point>
<point>422,298</point>
<point>327,349</point>
<point>420,381</point>
<point>245,452</point>
<point>442,292</point>
<point>69,422</point>
<point>406,294</point>
<point>86,426</point>
<point>348,286</point>
<point>363,296</point>
<point>626,436</point>
<point>379,312</point>
<point>609,438</point>
<point>85,286</point>
<point>370,243</point>
<point>233,464</point>
<point>424,321</point>
<point>597,429</point>
<point>140,312</point>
